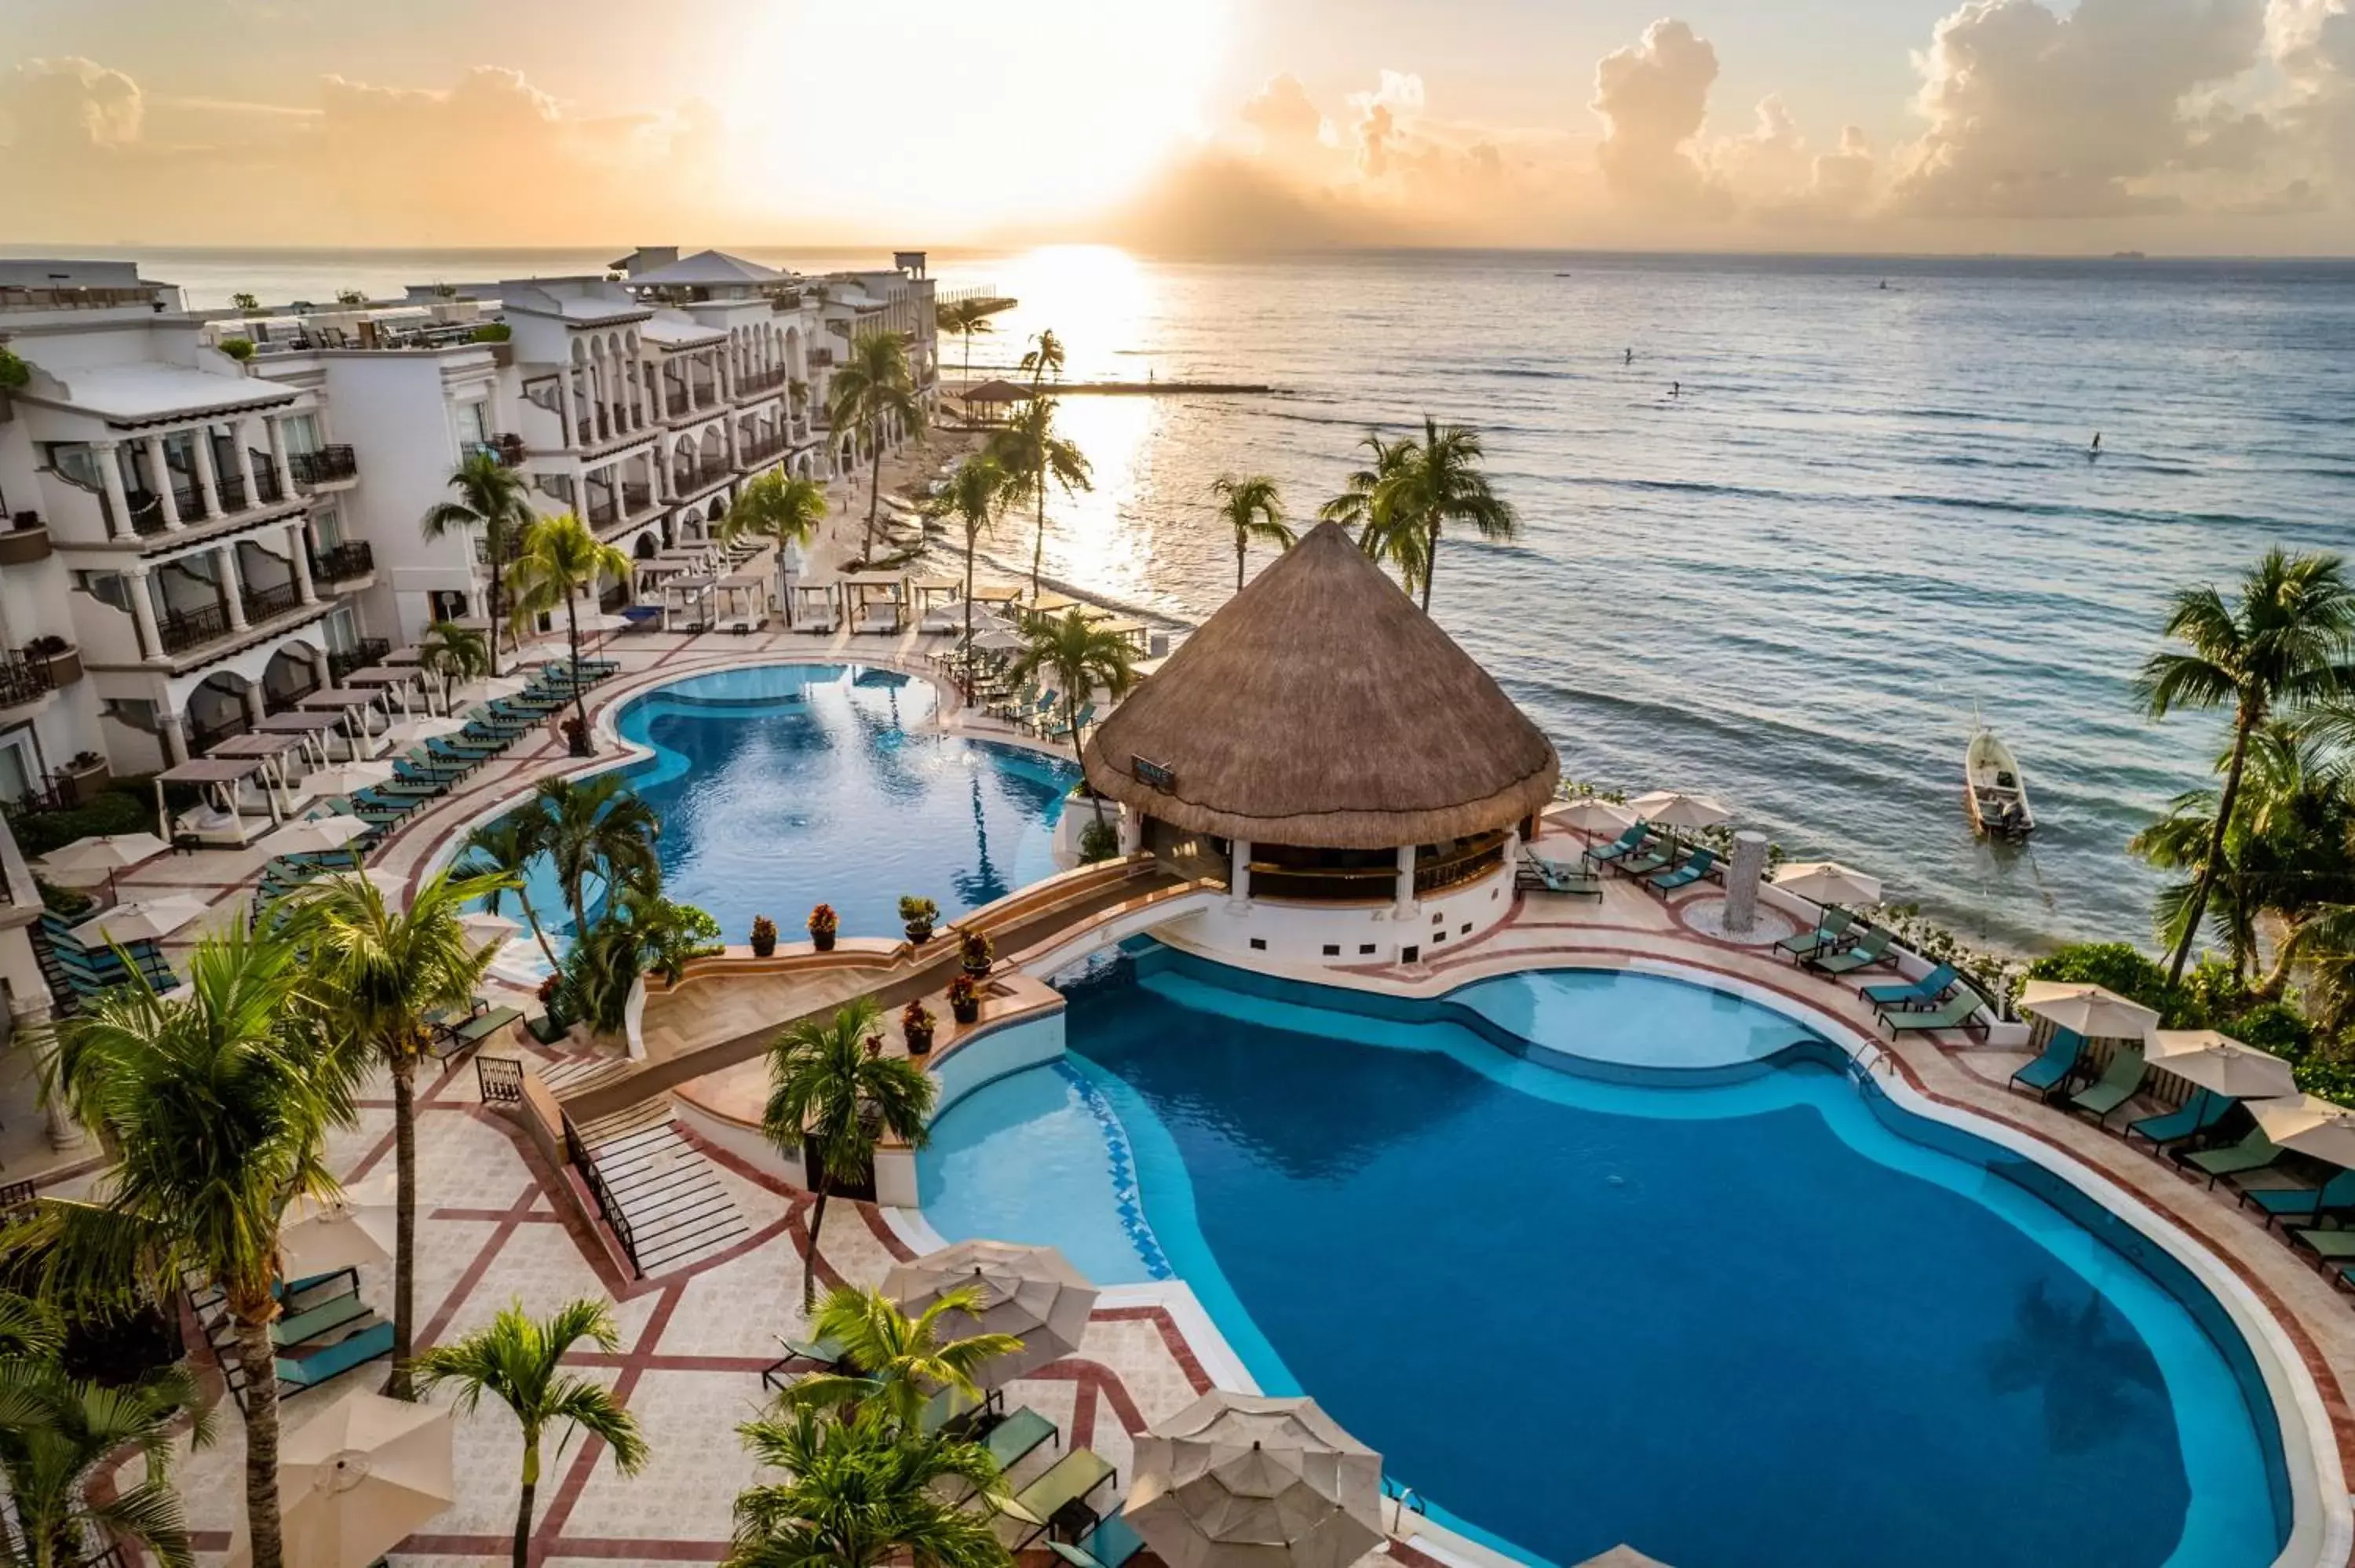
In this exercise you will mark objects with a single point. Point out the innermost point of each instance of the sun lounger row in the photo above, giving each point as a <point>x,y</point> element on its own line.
<point>323,1331</point>
<point>1644,853</point>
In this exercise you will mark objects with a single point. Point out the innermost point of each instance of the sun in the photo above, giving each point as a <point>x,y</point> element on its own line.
<point>962,118</point>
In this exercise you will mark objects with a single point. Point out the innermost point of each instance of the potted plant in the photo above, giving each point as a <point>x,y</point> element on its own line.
<point>823,923</point>
<point>14,373</point>
<point>553,1025</point>
<point>975,948</point>
<point>575,738</point>
<point>88,770</point>
<point>764,936</point>
<point>918,914</point>
<point>916,1026</point>
<point>964,999</point>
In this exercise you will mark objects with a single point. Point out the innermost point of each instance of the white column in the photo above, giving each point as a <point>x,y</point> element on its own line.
<point>1239,875</point>
<point>278,459</point>
<point>232,586</point>
<point>1406,904</point>
<point>29,1015</point>
<point>242,452</point>
<point>254,710</point>
<point>174,732</point>
<point>159,475</point>
<point>320,671</point>
<point>208,469</point>
<point>1741,879</point>
<point>143,615</point>
<point>564,402</point>
<point>298,545</point>
<point>109,479</point>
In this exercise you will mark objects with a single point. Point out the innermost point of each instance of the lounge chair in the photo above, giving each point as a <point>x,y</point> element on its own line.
<point>2302,1202</point>
<point>1577,881</point>
<point>2327,1247</point>
<point>481,1026</point>
<point>1959,1011</point>
<point>1069,1480</point>
<point>2119,1083</point>
<point>2055,1067</point>
<point>1650,858</point>
<point>1828,930</point>
<point>1667,882</point>
<point>1922,992</point>
<point>2203,1110</point>
<point>1010,1441</point>
<point>820,1355</point>
<point>317,1322</point>
<point>1112,1542</point>
<point>1620,847</point>
<point>335,1360</point>
<point>1873,949</point>
<point>2254,1152</point>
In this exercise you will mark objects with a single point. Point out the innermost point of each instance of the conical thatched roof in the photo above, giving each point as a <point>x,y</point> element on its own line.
<point>1320,707</point>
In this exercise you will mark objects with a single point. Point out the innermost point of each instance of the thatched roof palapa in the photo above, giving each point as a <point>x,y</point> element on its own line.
<point>1320,707</point>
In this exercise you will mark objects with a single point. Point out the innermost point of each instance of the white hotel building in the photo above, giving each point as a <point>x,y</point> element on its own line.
<point>189,541</point>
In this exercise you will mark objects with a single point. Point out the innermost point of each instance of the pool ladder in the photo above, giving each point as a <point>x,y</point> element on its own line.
<point>1406,1500</point>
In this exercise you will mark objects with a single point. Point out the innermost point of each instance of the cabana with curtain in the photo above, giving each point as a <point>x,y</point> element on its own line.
<point>220,818</point>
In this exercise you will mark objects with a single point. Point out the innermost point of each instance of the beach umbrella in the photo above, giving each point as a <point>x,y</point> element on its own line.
<point>109,852</point>
<point>1030,1292</point>
<point>1828,882</point>
<point>144,920</point>
<point>352,1231</point>
<point>1239,1480</point>
<point>2087,1010</point>
<point>416,731</point>
<point>1674,808</point>
<point>999,641</point>
<point>487,930</point>
<point>2309,1126</point>
<point>1594,817</point>
<point>357,1479</point>
<point>347,777</point>
<point>314,835</point>
<point>2219,1064</point>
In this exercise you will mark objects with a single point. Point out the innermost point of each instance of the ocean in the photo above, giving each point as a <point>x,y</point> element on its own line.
<point>1868,512</point>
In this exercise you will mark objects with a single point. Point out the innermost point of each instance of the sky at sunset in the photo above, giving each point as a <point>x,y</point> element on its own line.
<point>1941,125</point>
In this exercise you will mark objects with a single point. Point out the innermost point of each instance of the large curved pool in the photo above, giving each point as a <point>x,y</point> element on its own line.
<point>783,786</point>
<point>1594,1258</point>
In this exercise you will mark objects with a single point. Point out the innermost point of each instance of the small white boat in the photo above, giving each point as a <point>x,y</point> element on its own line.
<point>1994,789</point>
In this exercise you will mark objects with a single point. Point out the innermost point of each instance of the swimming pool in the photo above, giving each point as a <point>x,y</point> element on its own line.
<point>1736,1311</point>
<point>782,785</point>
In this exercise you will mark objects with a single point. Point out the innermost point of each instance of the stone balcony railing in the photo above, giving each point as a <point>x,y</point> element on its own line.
<point>342,563</point>
<point>328,465</point>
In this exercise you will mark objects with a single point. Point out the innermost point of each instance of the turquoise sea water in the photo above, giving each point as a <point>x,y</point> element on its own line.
<point>1870,509</point>
<point>1749,1317</point>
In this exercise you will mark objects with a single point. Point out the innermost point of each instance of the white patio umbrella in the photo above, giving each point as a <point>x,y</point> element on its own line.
<point>414,731</point>
<point>144,920</point>
<point>347,777</point>
<point>1239,1480</point>
<point>1588,815</point>
<point>355,1230</point>
<point>1828,882</point>
<point>1030,1292</point>
<point>109,852</point>
<point>2309,1126</point>
<point>487,930</point>
<point>2088,1010</point>
<point>1674,808</point>
<point>357,1479</point>
<point>2219,1064</point>
<point>314,835</point>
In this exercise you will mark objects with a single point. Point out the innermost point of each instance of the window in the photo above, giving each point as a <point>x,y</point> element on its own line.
<point>1366,950</point>
<point>1408,955</point>
<point>447,604</point>
<point>475,421</point>
<point>109,587</point>
<point>302,432</point>
<point>327,527</point>
<point>1332,949</point>
<point>341,630</point>
<point>17,771</point>
<point>1467,929</point>
<point>1259,944</point>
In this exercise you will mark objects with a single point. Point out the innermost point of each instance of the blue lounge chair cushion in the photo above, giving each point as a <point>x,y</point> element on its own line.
<point>335,1360</point>
<point>2054,1067</point>
<point>2203,1110</point>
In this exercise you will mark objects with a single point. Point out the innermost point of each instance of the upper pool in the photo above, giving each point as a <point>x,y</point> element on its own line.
<point>1709,1296</point>
<point>783,786</point>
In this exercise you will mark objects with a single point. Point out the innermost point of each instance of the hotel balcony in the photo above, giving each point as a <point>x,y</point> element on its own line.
<point>25,541</point>
<point>344,564</point>
<point>184,628</point>
<point>688,478</point>
<point>24,682</point>
<point>759,383</point>
<point>328,465</point>
<point>675,404</point>
<point>752,454</point>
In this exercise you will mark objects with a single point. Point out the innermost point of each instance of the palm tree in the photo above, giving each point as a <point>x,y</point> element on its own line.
<point>1254,511</point>
<point>59,1434</point>
<point>497,499</point>
<point>1043,359</point>
<point>519,1362</point>
<point>560,558</point>
<point>1439,482</point>
<point>217,1106</point>
<point>1364,504</point>
<point>596,827</point>
<point>2286,644</point>
<point>783,508</point>
<point>1035,459</point>
<point>832,1096</point>
<point>862,1493</point>
<point>384,972</point>
<point>1078,656</point>
<point>896,1361</point>
<point>453,654</point>
<point>872,385</point>
<point>503,849</point>
<point>972,498</point>
<point>968,318</point>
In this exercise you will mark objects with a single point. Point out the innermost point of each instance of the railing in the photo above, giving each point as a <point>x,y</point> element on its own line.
<point>607,1208</point>
<point>674,403</point>
<point>754,452</point>
<point>279,599</point>
<point>324,466</point>
<point>342,563</point>
<point>61,795</point>
<point>759,381</point>
<point>190,501</point>
<point>203,738</point>
<point>186,629</point>
<point>232,491</point>
<point>500,1079</point>
<point>1439,875</point>
<point>637,498</point>
<point>367,651</point>
<point>603,513</point>
<point>706,394</point>
<point>267,491</point>
<point>694,476</point>
<point>278,702</point>
<point>23,681</point>
<point>1325,884</point>
<point>584,432</point>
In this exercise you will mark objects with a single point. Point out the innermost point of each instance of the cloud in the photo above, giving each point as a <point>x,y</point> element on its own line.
<point>1380,114</point>
<point>2034,114</point>
<point>1286,120</point>
<point>51,107</point>
<point>1652,98</point>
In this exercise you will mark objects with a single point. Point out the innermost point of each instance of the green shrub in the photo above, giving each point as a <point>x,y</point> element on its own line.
<point>1098,841</point>
<point>237,348</point>
<point>2276,1026</point>
<point>119,809</point>
<point>14,372</point>
<point>493,332</point>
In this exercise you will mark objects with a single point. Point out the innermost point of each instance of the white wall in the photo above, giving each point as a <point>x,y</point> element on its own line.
<point>398,412</point>
<point>1298,933</point>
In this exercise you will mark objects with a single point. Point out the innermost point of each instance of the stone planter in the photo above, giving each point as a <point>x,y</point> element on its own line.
<point>64,670</point>
<point>88,782</point>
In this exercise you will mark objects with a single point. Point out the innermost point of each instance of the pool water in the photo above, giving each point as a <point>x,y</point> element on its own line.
<point>1748,1316</point>
<point>783,786</point>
